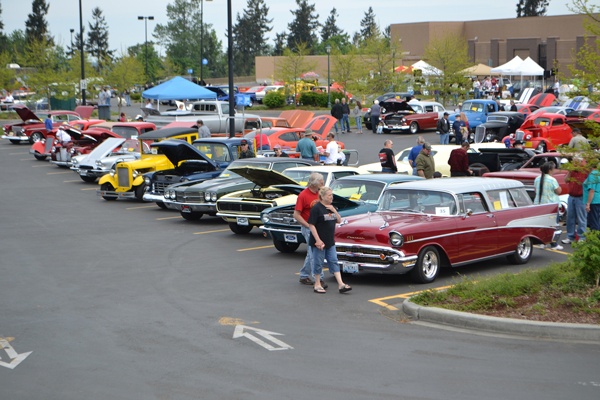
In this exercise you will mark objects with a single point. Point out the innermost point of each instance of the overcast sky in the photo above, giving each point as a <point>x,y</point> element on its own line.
<point>125,30</point>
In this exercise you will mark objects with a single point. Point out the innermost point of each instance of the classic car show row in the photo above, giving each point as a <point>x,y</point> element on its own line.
<point>392,223</point>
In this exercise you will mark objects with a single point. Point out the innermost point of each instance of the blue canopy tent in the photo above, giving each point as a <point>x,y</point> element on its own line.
<point>178,88</point>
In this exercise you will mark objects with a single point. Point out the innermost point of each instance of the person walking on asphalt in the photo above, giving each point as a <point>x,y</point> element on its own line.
<point>322,220</point>
<point>305,201</point>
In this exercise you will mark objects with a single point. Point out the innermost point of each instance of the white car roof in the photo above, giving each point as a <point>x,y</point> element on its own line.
<point>462,184</point>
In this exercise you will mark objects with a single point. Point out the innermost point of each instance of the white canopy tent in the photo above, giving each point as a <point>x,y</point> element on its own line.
<point>427,69</point>
<point>509,67</point>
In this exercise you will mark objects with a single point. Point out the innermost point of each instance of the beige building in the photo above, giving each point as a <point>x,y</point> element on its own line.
<point>492,42</point>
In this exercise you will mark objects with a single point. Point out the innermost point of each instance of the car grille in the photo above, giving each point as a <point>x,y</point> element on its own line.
<point>159,186</point>
<point>190,197</point>
<point>86,167</point>
<point>519,135</point>
<point>363,254</point>
<point>18,130</point>
<point>123,177</point>
<point>394,120</point>
<point>244,207</point>
<point>479,134</point>
<point>283,218</point>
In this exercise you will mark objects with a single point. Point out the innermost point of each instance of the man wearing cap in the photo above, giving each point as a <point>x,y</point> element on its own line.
<point>443,127</point>
<point>425,162</point>
<point>307,147</point>
<point>203,130</point>
<point>331,151</point>
<point>245,151</point>
<point>279,152</point>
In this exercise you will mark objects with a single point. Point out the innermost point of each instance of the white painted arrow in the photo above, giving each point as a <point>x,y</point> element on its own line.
<point>243,331</point>
<point>12,354</point>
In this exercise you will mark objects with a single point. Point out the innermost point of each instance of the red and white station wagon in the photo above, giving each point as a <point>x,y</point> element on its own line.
<point>424,225</point>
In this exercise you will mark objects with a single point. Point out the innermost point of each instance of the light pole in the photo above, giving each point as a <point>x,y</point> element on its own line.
<point>151,18</point>
<point>393,69</point>
<point>82,84</point>
<point>202,40</point>
<point>328,48</point>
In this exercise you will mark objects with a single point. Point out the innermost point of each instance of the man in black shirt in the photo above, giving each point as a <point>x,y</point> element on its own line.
<point>387,158</point>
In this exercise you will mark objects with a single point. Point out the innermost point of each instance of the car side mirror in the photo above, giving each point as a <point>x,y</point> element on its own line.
<point>468,213</point>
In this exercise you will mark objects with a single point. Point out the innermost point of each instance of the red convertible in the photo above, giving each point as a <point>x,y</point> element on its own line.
<point>543,132</point>
<point>288,138</point>
<point>422,226</point>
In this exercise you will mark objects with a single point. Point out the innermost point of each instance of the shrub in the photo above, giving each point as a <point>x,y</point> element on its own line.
<point>586,257</point>
<point>274,99</point>
<point>135,96</point>
<point>313,99</point>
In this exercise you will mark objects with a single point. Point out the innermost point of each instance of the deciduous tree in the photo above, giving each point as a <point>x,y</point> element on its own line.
<point>291,66</point>
<point>449,54</point>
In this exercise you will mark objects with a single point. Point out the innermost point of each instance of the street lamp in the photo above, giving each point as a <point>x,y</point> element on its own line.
<point>202,40</point>
<point>328,48</point>
<point>72,30</point>
<point>151,18</point>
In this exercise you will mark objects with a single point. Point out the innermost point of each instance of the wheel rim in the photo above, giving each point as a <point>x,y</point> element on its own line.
<point>524,248</point>
<point>430,264</point>
<point>36,137</point>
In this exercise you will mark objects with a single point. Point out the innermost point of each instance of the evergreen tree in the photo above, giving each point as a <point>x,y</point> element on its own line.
<point>532,8</point>
<point>249,35</point>
<point>97,40</point>
<point>330,27</point>
<point>36,27</point>
<point>3,38</point>
<point>279,44</point>
<point>369,28</point>
<point>181,39</point>
<point>303,27</point>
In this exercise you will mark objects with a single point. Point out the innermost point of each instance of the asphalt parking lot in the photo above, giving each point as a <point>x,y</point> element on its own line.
<point>124,300</point>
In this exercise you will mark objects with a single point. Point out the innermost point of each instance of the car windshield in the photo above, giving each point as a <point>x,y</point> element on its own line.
<point>242,163</point>
<point>473,106</point>
<point>302,176</point>
<point>125,131</point>
<point>131,146</point>
<point>541,121</point>
<point>215,151</point>
<point>418,201</point>
<point>355,189</point>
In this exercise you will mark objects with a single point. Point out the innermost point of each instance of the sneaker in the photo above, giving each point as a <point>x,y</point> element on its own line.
<point>566,241</point>
<point>557,247</point>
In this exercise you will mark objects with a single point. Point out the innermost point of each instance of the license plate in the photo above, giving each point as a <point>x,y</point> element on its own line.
<point>290,238</point>
<point>242,221</point>
<point>350,267</point>
<point>528,144</point>
<point>186,209</point>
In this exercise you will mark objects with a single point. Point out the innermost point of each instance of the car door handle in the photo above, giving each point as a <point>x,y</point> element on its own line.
<point>490,215</point>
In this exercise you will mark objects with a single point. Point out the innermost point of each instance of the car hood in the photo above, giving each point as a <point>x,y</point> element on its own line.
<point>25,113</point>
<point>393,106</point>
<point>102,150</point>
<point>543,100</point>
<point>371,226</point>
<point>339,201</point>
<point>215,184</point>
<point>263,177</point>
<point>178,150</point>
<point>321,124</point>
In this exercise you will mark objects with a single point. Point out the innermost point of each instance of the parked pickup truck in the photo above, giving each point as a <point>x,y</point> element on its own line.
<point>476,111</point>
<point>214,114</point>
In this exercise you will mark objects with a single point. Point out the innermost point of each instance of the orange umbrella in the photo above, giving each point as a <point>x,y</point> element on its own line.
<point>404,69</point>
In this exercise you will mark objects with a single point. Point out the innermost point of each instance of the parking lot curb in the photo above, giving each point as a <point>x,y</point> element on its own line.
<point>534,329</point>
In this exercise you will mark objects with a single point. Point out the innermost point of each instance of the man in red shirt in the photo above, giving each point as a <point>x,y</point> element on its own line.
<point>459,161</point>
<point>306,200</point>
